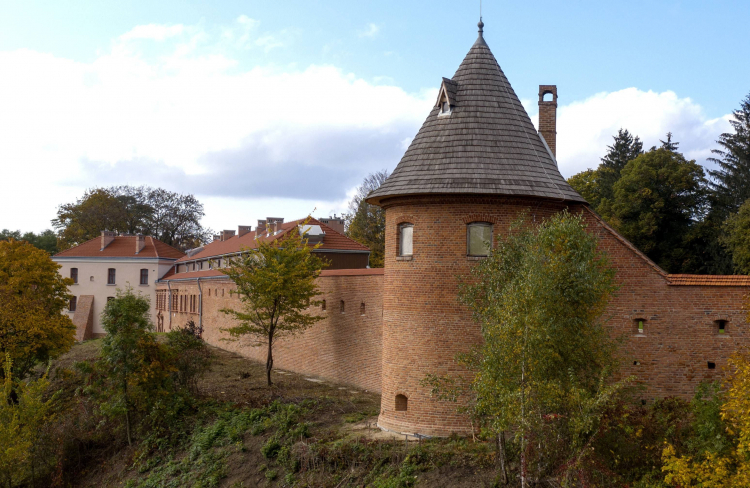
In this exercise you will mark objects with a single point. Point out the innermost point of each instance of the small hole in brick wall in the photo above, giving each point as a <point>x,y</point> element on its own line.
<point>222,292</point>
<point>643,402</point>
<point>640,326</point>
<point>402,403</point>
<point>721,326</point>
<point>342,306</point>
<point>636,363</point>
<point>711,365</point>
<point>323,305</point>
<point>362,308</point>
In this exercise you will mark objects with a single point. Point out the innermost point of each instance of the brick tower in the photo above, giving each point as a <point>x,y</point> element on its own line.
<point>475,165</point>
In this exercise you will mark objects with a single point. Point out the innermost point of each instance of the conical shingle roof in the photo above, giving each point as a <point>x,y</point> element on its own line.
<point>487,145</point>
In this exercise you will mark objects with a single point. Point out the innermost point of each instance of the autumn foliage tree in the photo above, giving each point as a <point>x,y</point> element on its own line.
<point>33,327</point>
<point>276,284</point>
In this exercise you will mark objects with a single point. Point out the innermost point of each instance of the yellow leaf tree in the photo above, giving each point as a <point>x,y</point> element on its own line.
<point>33,327</point>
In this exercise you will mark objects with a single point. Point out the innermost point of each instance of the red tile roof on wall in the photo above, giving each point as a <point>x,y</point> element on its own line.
<point>122,247</point>
<point>708,280</point>
<point>215,273</point>
<point>332,241</point>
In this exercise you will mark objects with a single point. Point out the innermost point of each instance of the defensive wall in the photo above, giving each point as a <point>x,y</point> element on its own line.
<point>681,343</point>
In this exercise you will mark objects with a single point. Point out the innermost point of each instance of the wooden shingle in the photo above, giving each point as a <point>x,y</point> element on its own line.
<point>487,145</point>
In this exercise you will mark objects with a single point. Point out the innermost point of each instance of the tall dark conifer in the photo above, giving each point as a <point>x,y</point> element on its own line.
<point>731,180</point>
<point>625,147</point>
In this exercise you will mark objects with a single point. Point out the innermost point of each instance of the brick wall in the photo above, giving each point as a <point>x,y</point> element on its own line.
<point>345,347</point>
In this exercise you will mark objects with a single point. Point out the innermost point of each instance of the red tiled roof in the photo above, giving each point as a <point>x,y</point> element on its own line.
<point>332,241</point>
<point>121,247</point>
<point>708,280</point>
<point>213,273</point>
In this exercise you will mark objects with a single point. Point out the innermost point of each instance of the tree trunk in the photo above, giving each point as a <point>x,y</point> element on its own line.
<point>502,457</point>
<point>127,425</point>
<point>269,360</point>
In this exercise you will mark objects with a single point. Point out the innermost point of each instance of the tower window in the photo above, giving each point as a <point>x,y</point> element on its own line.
<point>445,108</point>
<point>323,305</point>
<point>721,326</point>
<point>342,305</point>
<point>478,239</point>
<point>405,239</point>
<point>402,403</point>
<point>640,326</point>
<point>362,308</point>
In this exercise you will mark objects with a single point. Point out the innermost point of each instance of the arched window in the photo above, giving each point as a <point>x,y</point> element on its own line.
<point>362,308</point>
<point>323,305</point>
<point>343,307</point>
<point>548,97</point>
<point>405,239</point>
<point>402,403</point>
<point>478,239</point>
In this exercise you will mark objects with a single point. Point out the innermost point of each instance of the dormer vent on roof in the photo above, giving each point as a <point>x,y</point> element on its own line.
<point>487,146</point>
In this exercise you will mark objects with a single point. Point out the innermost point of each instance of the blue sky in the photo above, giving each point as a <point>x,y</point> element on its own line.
<point>281,107</point>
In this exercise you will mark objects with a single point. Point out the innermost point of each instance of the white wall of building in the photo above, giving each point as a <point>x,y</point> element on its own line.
<point>93,274</point>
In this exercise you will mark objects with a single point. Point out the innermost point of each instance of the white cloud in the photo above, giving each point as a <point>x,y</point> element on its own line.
<point>188,119</point>
<point>585,128</point>
<point>371,30</point>
<point>154,32</point>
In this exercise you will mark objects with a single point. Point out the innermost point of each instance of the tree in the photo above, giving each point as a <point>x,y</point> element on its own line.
<point>276,283</point>
<point>597,186</point>
<point>33,327</point>
<point>731,180</point>
<point>542,366</point>
<point>46,240</point>
<point>737,238</point>
<point>365,223</point>
<point>170,217</point>
<point>668,144</point>
<point>135,371</point>
<point>720,467</point>
<point>657,201</point>
<point>24,409</point>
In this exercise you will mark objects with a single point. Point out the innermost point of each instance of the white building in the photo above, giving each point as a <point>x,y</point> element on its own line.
<point>102,265</point>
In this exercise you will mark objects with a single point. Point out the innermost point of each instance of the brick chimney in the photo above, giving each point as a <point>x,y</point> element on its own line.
<point>548,116</point>
<point>140,243</point>
<point>335,223</point>
<point>243,229</point>
<point>227,234</point>
<point>261,229</point>
<point>107,238</point>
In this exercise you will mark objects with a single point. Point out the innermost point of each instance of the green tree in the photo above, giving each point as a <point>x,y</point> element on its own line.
<point>33,327</point>
<point>542,367</point>
<point>657,201</point>
<point>276,283</point>
<point>24,409</point>
<point>597,186</point>
<point>135,372</point>
<point>45,240</point>
<point>731,180</point>
<point>737,238</point>
<point>365,223</point>
<point>170,217</point>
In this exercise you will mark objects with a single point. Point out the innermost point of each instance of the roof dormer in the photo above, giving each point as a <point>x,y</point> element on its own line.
<point>447,97</point>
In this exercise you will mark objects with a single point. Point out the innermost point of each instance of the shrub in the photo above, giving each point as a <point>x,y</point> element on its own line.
<point>191,356</point>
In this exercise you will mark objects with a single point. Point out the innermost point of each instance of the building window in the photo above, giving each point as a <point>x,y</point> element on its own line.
<point>109,299</point>
<point>74,275</point>
<point>111,276</point>
<point>362,308</point>
<point>405,239</point>
<point>342,305</point>
<point>478,239</point>
<point>721,326</point>
<point>445,108</point>
<point>72,304</point>
<point>402,403</point>
<point>640,326</point>
<point>323,305</point>
<point>174,300</point>
<point>144,277</point>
